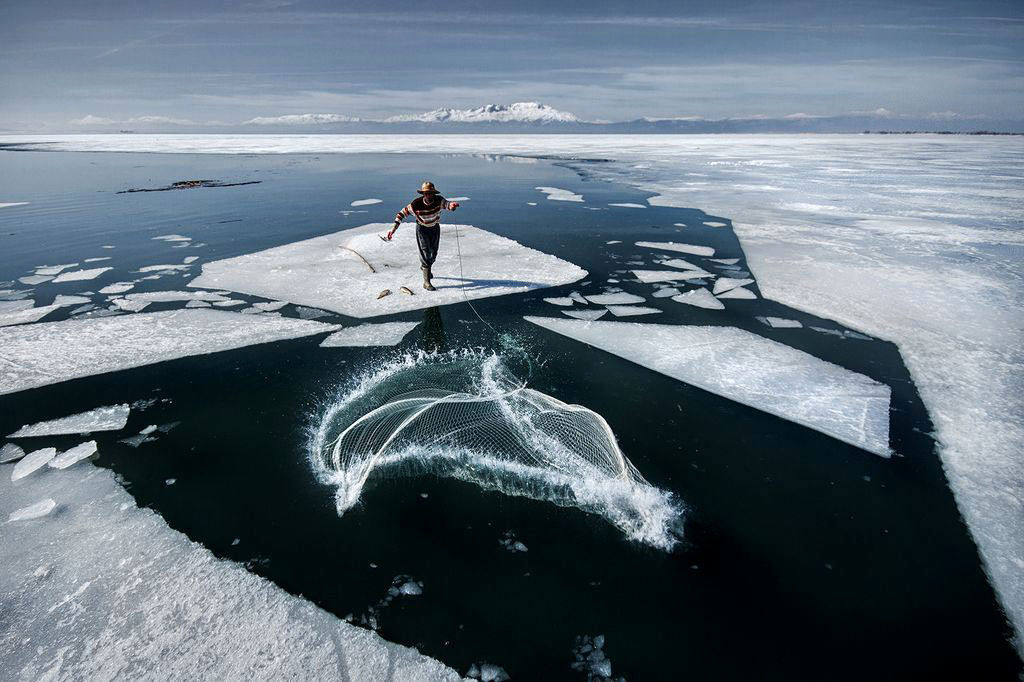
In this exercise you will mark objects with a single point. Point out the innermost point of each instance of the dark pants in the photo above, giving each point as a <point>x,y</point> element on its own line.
<point>426,241</point>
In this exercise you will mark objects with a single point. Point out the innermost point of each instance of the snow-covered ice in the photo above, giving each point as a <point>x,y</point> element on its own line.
<point>26,316</point>
<point>692,249</point>
<point>10,453</point>
<point>738,292</point>
<point>33,511</point>
<point>702,298</point>
<point>726,283</point>
<point>126,590</point>
<point>74,455</point>
<point>559,300</point>
<point>50,352</point>
<point>117,288</point>
<point>619,298</point>
<point>80,275</point>
<point>366,202</point>
<point>651,276</point>
<point>665,292</point>
<point>682,264</point>
<point>108,418</point>
<point>383,334</point>
<point>781,322</point>
<point>752,370</point>
<point>725,261</point>
<point>585,314</point>
<point>631,310</point>
<point>556,194</point>
<point>326,272</point>
<point>628,205</point>
<point>31,462</point>
<point>33,280</point>
<point>8,307</point>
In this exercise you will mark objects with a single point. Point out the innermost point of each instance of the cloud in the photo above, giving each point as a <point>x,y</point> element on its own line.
<point>300,119</point>
<point>90,120</point>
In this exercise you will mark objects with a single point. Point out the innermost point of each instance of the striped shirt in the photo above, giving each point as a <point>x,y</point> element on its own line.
<point>426,215</point>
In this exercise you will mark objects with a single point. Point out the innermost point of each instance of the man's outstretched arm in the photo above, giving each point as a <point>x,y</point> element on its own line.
<point>399,217</point>
<point>450,205</point>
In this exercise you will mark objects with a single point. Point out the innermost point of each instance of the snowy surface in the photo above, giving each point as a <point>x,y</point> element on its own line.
<point>109,418</point>
<point>752,370</point>
<point>320,273</point>
<point>47,353</point>
<point>846,227</point>
<point>384,334</point>
<point>105,590</point>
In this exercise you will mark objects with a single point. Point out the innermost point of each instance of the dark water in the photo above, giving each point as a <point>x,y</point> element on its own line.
<point>803,558</point>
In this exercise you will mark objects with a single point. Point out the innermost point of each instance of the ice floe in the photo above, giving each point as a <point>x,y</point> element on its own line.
<point>383,334</point>
<point>585,314</point>
<point>714,224</point>
<point>163,268</point>
<point>681,264</point>
<point>26,316</point>
<point>53,269</point>
<point>692,249</point>
<point>702,298</point>
<point>752,370</point>
<point>562,301</point>
<point>11,204</point>
<point>31,462</point>
<point>172,238</point>
<point>366,202</point>
<point>108,418</point>
<point>628,205</point>
<point>726,283</point>
<point>651,276</point>
<point>270,306</point>
<point>33,511</point>
<point>16,306</point>
<point>74,455</point>
<point>109,576</point>
<point>346,271</point>
<point>117,288</point>
<point>556,194</point>
<point>631,310</point>
<point>780,322</point>
<point>619,298</point>
<point>50,352</point>
<point>11,453</point>
<point>738,292</point>
<point>80,275</point>
<point>33,280</point>
<point>665,292</point>
<point>725,261</point>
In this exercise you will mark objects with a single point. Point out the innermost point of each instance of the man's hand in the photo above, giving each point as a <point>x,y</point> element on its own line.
<point>452,205</point>
<point>391,233</point>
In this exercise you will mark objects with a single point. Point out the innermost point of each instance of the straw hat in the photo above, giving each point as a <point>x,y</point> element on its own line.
<point>427,188</point>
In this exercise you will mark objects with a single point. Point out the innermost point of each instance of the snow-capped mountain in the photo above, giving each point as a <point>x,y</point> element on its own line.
<point>300,120</point>
<point>518,112</point>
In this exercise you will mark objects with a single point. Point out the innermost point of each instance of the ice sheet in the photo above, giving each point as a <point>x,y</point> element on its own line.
<point>33,280</point>
<point>8,307</point>
<point>556,194</point>
<point>620,298</point>
<point>752,370</point>
<point>702,298</point>
<point>384,334</point>
<point>74,455</point>
<point>650,276</point>
<point>50,352</point>
<point>26,316</point>
<point>108,418</point>
<point>319,272</point>
<point>79,275</point>
<point>681,248</point>
<point>105,590</point>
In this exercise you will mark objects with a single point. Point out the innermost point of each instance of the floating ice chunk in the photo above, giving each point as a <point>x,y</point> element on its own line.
<point>780,322</point>
<point>585,314</point>
<point>33,280</point>
<point>80,275</point>
<point>190,259</point>
<point>10,453</point>
<point>32,461</point>
<point>62,300</point>
<point>651,276</point>
<point>614,241</point>
<point>556,194</point>
<point>726,261</point>
<point>7,307</point>
<point>51,352</point>
<point>702,298</point>
<point>33,511</point>
<point>384,334</point>
<point>665,293</point>
<point>678,224</point>
<point>681,248</point>
<point>270,306</point>
<point>833,332</point>
<point>109,418</point>
<point>365,202</point>
<point>714,224</point>
<point>578,297</point>
<point>531,203</point>
<point>173,238</point>
<point>130,305</point>
<point>620,298</point>
<point>163,268</point>
<point>629,205</point>
<point>855,335</point>
<point>148,430</point>
<point>168,296</point>
<point>74,455</point>
<point>631,310</point>
<point>117,288</point>
<point>97,260</point>
<point>726,283</point>
<point>203,304</point>
<point>562,301</point>
<point>232,302</point>
<point>682,264</point>
<point>738,292</point>
<point>311,313</point>
<point>411,588</point>
<point>752,370</point>
<point>12,204</point>
<point>487,672</point>
<point>53,269</point>
<point>26,316</point>
<point>330,271</point>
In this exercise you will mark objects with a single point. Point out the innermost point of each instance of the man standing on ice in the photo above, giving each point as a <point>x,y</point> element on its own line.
<point>427,209</point>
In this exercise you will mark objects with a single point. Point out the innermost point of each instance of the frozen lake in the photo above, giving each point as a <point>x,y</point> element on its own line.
<point>804,526</point>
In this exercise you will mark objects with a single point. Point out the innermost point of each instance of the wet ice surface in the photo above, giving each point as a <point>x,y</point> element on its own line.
<point>331,271</point>
<point>46,353</point>
<point>110,418</point>
<point>383,334</point>
<point>103,575</point>
<point>751,370</point>
<point>556,194</point>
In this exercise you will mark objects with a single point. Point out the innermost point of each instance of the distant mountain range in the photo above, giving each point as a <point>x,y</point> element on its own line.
<point>534,117</point>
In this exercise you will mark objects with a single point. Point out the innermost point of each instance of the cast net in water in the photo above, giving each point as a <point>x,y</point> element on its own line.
<point>466,416</point>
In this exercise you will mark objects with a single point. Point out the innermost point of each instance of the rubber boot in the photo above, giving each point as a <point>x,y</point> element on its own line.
<point>426,279</point>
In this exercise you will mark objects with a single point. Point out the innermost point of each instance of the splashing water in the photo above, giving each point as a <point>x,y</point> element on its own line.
<point>465,415</point>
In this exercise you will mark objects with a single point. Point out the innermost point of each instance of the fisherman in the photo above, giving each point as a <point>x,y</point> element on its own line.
<point>427,209</point>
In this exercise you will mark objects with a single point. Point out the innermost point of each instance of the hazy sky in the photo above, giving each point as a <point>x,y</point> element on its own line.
<point>220,60</point>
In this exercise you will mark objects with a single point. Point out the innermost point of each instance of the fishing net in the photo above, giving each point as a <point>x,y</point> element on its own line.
<point>468,417</point>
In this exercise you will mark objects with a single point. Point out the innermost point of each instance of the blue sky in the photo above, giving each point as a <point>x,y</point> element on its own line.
<point>221,61</point>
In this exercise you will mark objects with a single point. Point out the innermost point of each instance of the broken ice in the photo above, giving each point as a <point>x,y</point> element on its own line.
<point>109,418</point>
